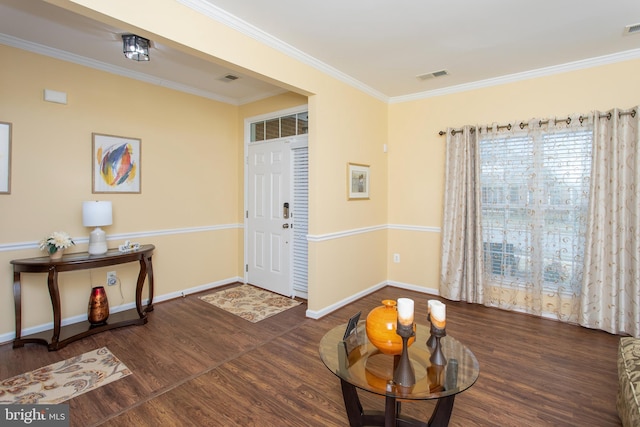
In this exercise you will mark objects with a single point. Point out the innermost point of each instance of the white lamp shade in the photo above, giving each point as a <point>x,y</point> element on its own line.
<point>96,214</point>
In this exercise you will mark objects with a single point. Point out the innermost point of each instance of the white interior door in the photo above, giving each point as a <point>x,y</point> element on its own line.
<point>269,254</point>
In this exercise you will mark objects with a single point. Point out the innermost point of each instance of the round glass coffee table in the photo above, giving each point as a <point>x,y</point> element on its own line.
<point>360,365</point>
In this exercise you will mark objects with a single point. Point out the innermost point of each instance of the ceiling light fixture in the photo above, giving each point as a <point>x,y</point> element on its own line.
<point>135,47</point>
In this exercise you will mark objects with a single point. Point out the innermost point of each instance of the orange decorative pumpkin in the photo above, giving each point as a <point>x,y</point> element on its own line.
<point>381,327</point>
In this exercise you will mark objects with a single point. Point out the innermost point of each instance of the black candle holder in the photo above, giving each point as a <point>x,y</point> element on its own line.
<point>437,356</point>
<point>431,342</point>
<point>404,374</point>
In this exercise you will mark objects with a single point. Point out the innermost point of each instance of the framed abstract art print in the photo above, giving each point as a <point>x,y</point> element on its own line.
<point>115,164</point>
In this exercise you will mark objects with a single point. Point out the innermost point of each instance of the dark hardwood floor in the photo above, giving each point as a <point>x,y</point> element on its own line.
<point>196,365</point>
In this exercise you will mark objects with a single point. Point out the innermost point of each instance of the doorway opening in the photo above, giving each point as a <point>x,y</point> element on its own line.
<point>276,202</point>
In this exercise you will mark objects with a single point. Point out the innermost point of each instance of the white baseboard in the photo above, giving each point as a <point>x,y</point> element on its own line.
<point>313,314</point>
<point>415,288</point>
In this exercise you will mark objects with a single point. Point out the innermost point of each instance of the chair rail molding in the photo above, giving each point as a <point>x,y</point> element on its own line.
<point>356,231</point>
<point>7,247</point>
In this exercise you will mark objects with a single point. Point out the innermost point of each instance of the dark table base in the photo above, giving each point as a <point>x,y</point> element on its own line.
<point>391,416</point>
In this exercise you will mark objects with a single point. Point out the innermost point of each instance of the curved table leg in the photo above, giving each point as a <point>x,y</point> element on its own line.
<point>391,417</point>
<point>141,275</point>
<point>150,276</point>
<point>54,293</point>
<point>442,412</point>
<point>146,270</point>
<point>352,404</point>
<point>17,301</point>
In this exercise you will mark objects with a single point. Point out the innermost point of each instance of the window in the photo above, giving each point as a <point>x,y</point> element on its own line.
<point>534,202</point>
<point>291,125</point>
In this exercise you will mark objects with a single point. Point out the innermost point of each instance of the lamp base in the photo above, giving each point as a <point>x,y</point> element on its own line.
<point>98,242</point>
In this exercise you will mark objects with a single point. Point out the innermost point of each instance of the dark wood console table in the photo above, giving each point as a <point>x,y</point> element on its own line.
<point>80,261</point>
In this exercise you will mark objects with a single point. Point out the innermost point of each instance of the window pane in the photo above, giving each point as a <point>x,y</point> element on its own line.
<point>272,129</point>
<point>288,126</point>
<point>257,131</point>
<point>534,197</point>
<point>303,123</point>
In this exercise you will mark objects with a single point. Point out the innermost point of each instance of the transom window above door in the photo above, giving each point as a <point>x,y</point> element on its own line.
<point>280,127</point>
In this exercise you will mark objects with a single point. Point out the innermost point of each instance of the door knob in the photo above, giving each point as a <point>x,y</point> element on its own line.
<point>285,225</point>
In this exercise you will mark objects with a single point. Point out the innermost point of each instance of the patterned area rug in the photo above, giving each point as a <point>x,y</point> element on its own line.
<point>250,303</point>
<point>63,380</point>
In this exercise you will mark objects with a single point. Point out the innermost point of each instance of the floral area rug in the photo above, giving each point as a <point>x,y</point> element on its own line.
<point>250,303</point>
<point>61,381</point>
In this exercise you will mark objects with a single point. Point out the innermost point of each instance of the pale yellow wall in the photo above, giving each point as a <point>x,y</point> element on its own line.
<point>360,265</point>
<point>189,170</point>
<point>417,156</point>
<point>347,126</point>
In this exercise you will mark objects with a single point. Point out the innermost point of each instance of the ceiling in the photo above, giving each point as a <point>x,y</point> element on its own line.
<point>380,46</point>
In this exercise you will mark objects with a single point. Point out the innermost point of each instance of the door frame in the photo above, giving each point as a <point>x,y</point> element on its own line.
<point>295,142</point>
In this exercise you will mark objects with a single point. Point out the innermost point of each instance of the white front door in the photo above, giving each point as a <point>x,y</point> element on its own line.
<point>269,231</point>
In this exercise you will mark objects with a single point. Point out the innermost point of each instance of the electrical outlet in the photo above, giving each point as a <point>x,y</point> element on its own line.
<point>112,278</point>
<point>396,258</point>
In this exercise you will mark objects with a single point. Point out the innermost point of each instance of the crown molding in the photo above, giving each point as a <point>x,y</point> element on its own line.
<point>220,15</point>
<point>232,21</point>
<point>510,78</point>
<point>103,66</point>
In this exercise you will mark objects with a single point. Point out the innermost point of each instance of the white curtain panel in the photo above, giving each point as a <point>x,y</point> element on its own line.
<point>461,267</point>
<point>611,287</point>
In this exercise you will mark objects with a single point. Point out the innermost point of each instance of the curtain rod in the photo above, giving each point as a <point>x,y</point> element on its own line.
<point>522,125</point>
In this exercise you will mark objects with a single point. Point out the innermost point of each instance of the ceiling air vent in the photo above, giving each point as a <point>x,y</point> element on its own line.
<point>632,29</point>
<point>432,75</point>
<point>229,78</point>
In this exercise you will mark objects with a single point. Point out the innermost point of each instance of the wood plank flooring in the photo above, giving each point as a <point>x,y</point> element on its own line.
<point>196,365</point>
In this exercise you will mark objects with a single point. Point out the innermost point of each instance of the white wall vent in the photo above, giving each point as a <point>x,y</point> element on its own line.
<point>432,75</point>
<point>632,29</point>
<point>229,78</point>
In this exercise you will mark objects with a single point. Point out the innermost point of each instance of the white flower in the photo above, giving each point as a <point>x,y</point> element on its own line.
<point>57,240</point>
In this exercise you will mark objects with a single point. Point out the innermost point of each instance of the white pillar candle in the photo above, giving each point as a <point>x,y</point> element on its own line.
<point>429,304</point>
<point>438,314</point>
<point>405,311</point>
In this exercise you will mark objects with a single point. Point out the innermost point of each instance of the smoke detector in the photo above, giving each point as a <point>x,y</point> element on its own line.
<point>432,75</point>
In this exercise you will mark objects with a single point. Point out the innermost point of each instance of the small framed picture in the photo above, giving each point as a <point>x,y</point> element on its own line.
<point>5,158</point>
<point>357,181</point>
<point>352,325</point>
<point>115,164</point>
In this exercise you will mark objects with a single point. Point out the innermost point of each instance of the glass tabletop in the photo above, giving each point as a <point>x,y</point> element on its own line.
<point>360,363</point>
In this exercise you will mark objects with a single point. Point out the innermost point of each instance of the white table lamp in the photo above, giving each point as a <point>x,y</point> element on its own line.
<point>97,214</point>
